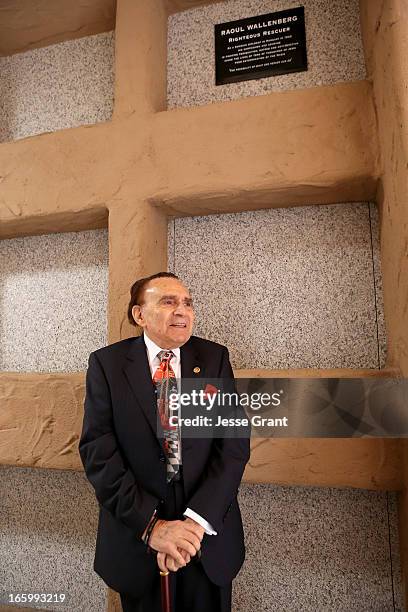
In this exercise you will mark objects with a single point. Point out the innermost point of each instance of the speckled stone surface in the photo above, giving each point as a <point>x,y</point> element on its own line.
<point>333,39</point>
<point>392,507</point>
<point>47,538</point>
<point>53,300</point>
<point>283,288</point>
<point>171,245</point>
<point>56,87</point>
<point>379,298</point>
<point>308,549</point>
<point>311,549</point>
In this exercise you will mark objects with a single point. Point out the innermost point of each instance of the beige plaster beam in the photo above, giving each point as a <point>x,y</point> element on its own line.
<point>72,176</point>
<point>52,223</point>
<point>41,420</point>
<point>308,146</point>
<point>29,24</point>
<point>56,176</point>
<point>364,463</point>
<point>384,28</point>
<point>140,57</point>
<point>305,146</point>
<point>386,43</point>
<point>137,248</point>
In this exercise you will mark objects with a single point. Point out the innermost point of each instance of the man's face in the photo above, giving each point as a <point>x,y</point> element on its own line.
<point>167,314</point>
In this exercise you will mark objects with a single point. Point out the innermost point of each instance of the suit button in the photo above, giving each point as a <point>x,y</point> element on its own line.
<point>162,458</point>
<point>162,501</point>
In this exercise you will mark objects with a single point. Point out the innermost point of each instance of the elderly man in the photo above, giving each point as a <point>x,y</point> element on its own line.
<point>165,502</point>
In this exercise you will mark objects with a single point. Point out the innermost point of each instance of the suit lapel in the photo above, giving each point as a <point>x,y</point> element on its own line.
<point>192,367</point>
<point>191,363</point>
<point>137,372</point>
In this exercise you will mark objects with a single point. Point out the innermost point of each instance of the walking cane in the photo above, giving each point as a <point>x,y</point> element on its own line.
<point>165,591</point>
<point>165,588</point>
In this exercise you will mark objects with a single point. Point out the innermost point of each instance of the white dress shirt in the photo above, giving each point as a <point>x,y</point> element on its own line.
<point>152,352</point>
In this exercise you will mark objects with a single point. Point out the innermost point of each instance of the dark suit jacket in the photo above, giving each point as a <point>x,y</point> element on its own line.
<point>125,463</point>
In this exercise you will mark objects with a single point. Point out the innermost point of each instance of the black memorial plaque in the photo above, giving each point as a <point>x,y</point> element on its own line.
<point>261,46</point>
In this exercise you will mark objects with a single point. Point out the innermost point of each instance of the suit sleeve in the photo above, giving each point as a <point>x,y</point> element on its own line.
<point>219,484</point>
<point>105,467</point>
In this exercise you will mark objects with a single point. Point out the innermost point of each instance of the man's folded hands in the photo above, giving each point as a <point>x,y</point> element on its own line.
<point>176,542</point>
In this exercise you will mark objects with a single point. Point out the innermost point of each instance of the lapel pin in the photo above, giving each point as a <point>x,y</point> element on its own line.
<point>196,370</point>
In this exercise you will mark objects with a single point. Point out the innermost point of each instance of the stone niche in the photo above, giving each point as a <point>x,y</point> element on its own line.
<point>333,40</point>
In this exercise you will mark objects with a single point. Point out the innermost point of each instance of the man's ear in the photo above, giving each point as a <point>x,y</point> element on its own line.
<point>137,315</point>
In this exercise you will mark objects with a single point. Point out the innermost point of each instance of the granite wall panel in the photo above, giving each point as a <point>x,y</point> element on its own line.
<point>48,521</point>
<point>333,40</point>
<point>57,87</point>
<point>288,287</point>
<point>311,549</point>
<point>53,300</point>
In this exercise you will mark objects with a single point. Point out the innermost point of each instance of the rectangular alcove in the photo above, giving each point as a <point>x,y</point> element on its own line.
<point>47,539</point>
<point>312,549</point>
<point>53,313</point>
<point>55,87</point>
<point>53,300</point>
<point>289,287</point>
<point>334,48</point>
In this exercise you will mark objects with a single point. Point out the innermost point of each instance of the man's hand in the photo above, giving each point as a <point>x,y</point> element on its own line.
<point>169,536</point>
<point>167,562</point>
<point>198,528</point>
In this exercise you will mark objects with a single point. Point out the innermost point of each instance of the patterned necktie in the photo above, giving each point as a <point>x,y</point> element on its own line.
<point>166,384</point>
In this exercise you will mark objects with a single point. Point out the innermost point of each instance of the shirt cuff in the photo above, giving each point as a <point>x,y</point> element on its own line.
<point>209,530</point>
